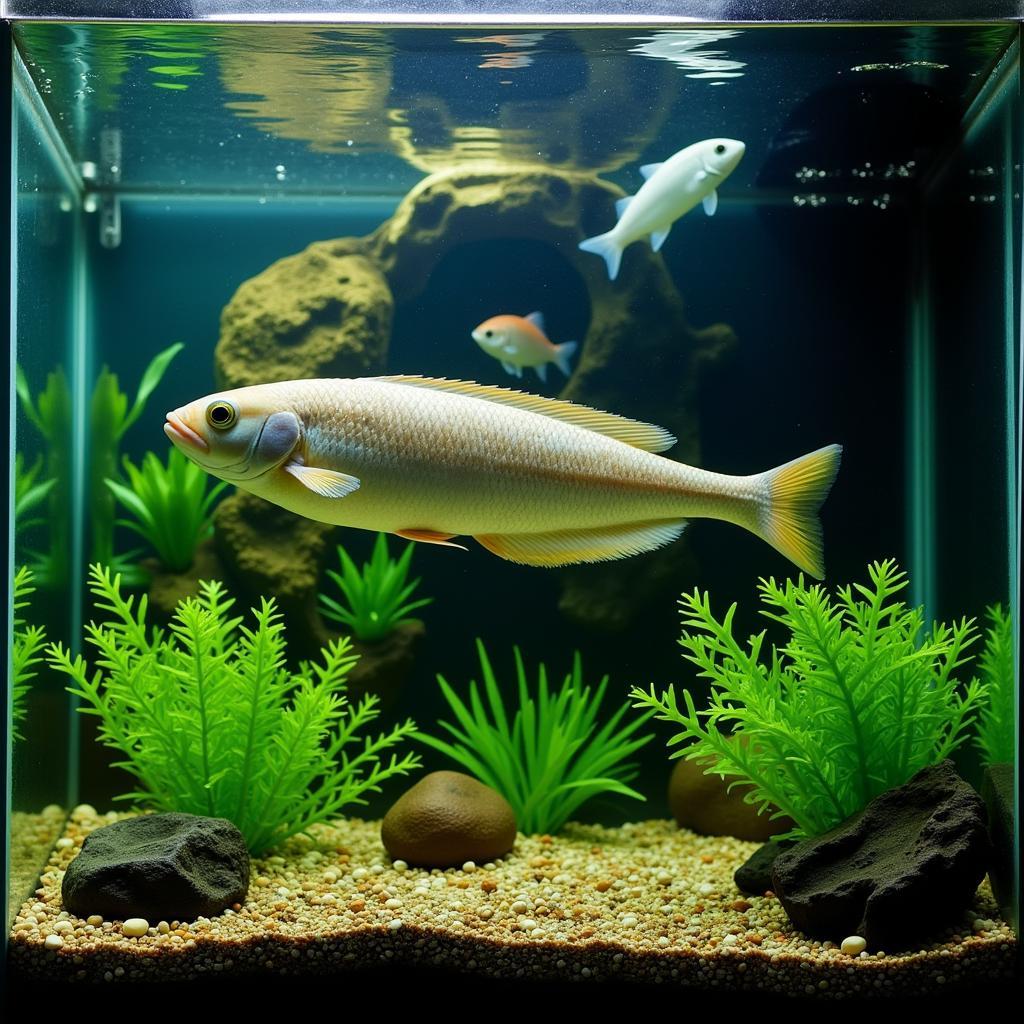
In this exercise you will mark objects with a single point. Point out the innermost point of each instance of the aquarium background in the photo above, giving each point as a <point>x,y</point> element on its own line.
<point>865,253</point>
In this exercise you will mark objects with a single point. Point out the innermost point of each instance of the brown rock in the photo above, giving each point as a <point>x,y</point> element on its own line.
<point>318,313</point>
<point>702,803</point>
<point>446,819</point>
<point>167,589</point>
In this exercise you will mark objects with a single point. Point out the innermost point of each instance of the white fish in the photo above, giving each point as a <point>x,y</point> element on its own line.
<point>535,480</point>
<point>671,189</point>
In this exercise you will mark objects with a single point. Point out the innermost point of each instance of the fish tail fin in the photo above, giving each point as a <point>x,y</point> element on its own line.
<point>563,353</point>
<point>788,512</point>
<point>607,247</point>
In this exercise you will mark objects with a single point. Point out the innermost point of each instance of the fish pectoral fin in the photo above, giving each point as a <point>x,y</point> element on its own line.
<point>648,169</point>
<point>325,482</point>
<point>430,537</point>
<point>658,238</point>
<point>710,203</point>
<point>601,544</point>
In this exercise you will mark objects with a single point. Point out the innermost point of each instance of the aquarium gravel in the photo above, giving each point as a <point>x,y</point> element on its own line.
<point>645,902</point>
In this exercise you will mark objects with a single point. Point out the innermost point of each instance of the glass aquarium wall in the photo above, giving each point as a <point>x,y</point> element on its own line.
<point>829,326</point>
<point>48,310</point>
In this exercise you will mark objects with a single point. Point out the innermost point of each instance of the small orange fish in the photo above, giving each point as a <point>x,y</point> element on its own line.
<point>518,341</point>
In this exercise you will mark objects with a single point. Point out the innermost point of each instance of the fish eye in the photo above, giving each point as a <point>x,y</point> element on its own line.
<point>221,415</point>
<point>488,334</point>
<point>720,149</point>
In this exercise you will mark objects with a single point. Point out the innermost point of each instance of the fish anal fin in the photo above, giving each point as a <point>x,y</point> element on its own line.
<point>658,238</point>
<point>600,544</point>
<point>646,436</point>
<point>325,482</point>
<point>621,204</point>
<point>542,371</point>
<point>430,537</point>
<point>648,169</point>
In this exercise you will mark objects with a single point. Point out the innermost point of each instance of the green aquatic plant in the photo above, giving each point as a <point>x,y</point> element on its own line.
<point>553,756</point>
<point>856,700</point>
<point>210,720</point>
<point>31,489</point>
<point>998,718</point>
<point>110,417</point>
<point>26,650</point>
<point>377,598</point>
<point>49,412</point>
<point>170,506</point>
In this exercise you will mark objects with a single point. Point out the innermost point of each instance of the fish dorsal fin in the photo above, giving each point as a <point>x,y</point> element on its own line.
<point>648,169</point>
<point>621,204</point>
<point>632,432</point>
<point>537,319</point>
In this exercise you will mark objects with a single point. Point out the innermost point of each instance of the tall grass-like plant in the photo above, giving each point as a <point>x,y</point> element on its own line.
<point>998,719</point>
<point>377,597</point>
<point>170,506</point>
<point>209,719</point>
<point>858,698</point>
<point>31,490</point>
<point>110,417</point>
<point>551,756</point>
<point>27,649</point>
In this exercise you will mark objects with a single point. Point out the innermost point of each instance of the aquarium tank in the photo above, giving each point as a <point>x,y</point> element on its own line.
<point>522,491</point>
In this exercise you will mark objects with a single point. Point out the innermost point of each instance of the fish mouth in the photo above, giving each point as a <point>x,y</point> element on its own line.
<point>180,433</point>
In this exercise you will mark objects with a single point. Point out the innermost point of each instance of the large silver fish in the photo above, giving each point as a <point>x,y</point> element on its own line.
<point>534,480</point>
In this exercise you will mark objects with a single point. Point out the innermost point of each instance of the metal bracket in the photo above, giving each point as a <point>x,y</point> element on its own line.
<point>101,181</point>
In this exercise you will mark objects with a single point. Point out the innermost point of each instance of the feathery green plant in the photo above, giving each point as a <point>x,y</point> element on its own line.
<point>377,598</point>
<point>210,720</point>
<point>26,651</point>
<point>856,700</point>
<point>553,757</point>
<point>997,721</point>
<point>170,506</point>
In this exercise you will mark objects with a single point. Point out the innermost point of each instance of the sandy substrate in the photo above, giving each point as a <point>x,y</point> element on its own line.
<point>646,902</point>
<point>32,839</point>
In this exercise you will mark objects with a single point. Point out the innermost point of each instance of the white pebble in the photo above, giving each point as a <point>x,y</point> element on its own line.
<point>527,924</point>
<point>853,945</point>
<point>163,927</point>
<point>95,920</point>
<point>469,867</point>
<point>520,907</point>
<point>421,890</point>
<point>629,920</point>
<point>400,865</point>
<point>63,926</point>
<point>393,904</point>
<point>395,925</point>
<point>729,940</point>
<point>83,811</point>
<point>360,873</point>
<point>64,843</point>
<point>706,889</point>
<point>135,926</point>
<point>53,942</point>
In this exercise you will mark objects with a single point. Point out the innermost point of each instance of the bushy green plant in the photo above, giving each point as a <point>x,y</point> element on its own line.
<point>210,720</point>
<point>552,756</point>
<point>854,702</point>
<point>170,505</point>
<point>376,597</point>
<point>998,718</point>
<point>26,651</point>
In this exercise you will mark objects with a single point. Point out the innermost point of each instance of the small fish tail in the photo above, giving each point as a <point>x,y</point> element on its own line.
<point>607,247</point>
<point>563,353</point>
<point>794,493</point>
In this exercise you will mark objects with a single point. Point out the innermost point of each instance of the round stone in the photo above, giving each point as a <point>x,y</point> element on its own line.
<point>135,926</point>
<point>854,945</point>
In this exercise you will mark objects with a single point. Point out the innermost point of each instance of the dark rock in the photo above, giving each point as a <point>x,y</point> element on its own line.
<point>446,819</point>
<point>907,864</point>
<point>754,875</point>
<point>160,867</point>
<point>997,792</point>
<point>385,665</point>
<point>705,804</point>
